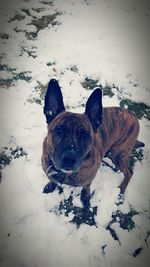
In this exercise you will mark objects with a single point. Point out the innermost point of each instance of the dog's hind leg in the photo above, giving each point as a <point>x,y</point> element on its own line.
<point>122,161</point>
<point>124,165</point>
<point>121,151</point>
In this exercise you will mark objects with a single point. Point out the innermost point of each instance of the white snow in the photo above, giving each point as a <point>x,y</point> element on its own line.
<point>105,40</point>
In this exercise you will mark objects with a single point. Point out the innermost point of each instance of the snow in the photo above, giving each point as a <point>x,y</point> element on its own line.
<point>105,40</point>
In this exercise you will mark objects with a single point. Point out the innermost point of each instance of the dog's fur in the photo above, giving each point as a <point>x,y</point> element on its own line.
<point>76,143</point>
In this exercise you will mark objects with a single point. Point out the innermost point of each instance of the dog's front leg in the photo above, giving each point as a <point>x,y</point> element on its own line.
<point>85,196</point>
<point>45,160</point>
<point>50,187</point>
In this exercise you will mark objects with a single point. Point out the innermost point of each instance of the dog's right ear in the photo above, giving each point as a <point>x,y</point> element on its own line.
<point>53,101</point>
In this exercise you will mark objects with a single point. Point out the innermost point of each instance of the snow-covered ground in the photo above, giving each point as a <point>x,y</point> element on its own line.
<point>105,41</point>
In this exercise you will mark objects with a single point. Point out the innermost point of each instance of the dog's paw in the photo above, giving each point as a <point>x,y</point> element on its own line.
<point>120,199</point>
<point>49,188</point>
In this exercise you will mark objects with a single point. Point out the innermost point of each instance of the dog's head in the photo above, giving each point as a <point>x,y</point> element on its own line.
<point>70,135</point>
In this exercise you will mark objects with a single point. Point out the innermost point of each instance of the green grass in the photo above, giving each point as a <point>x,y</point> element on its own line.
<point>140,109</point>
<point>125,221</point>
<point>4,36</point>
<point>50,63</point>
<point>81,215</point>
<point>6,68</point>
<point>8,154</point>
<point>24,76</point>
<point>91,84</point>
<point>49,3</point>
<point>45,21</point>
<point>18,17</point>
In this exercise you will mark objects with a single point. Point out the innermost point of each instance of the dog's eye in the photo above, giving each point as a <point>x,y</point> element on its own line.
<point>84,134</point>
<point>59,130</point>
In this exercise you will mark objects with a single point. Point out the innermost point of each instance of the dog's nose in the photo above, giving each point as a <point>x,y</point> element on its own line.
<point>69,158</point>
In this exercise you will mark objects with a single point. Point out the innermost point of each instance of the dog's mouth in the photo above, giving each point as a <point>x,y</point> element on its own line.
<point>53,170</point>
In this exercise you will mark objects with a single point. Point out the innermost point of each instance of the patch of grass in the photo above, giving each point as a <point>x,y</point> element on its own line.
<point>107,90</point>
<point>16,29</point>
<point>4,159</point>
<point>44,21</point>
<point>49,3</point>
<point>41,91</point>
<point>90,84</point>
<point>38,101</point>
<point>140,109</point>
<point>4,36</point>
<point>38,10</point>
<point>6,68</point>
<point>18,17</point>
<point>30,35</point>
<point>81,215</point>
<point>30,53</point>
<point>26,11</point>
<point>16,76</point>
<point>22,76</point>
<point>74,68</point>
<point>39,23</point>
<point>51,63</point>
<point>125,220</point>
<point>7,154</point>
<point>5,82</point>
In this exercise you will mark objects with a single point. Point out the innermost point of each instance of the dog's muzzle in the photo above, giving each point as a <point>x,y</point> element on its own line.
<point>69,160</point>
<point>66,160</point>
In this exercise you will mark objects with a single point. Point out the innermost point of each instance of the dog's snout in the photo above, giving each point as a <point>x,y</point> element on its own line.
<point>69,158</point>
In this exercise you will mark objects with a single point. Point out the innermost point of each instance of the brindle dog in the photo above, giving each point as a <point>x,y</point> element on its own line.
<point>76,143</point>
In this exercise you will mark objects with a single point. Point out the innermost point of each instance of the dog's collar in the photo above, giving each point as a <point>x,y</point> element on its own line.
<point>51,170</point>
<point>66,171</point>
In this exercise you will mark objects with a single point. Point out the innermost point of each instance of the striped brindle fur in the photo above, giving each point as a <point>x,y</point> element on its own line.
<point>76,143</point>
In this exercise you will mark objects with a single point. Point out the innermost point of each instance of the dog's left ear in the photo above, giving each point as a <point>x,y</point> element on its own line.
<point>53,101</point>
<point>94,108</point>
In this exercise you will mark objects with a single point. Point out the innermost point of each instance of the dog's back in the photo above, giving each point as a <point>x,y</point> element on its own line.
<point>119,128</point>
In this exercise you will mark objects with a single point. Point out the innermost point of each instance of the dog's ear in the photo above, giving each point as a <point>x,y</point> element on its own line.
<point>53,101</point>
<point>94,108</point>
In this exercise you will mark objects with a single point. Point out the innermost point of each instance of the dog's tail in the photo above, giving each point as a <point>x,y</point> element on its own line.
<point>138,144</point>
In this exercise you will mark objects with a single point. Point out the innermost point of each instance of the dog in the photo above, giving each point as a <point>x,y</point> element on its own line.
<point>76,143</point>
